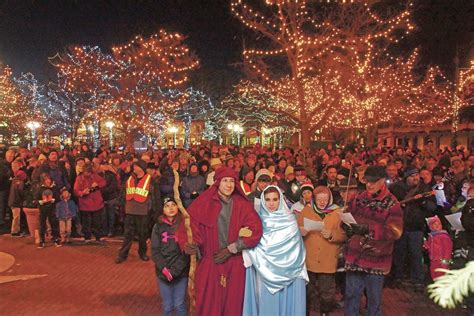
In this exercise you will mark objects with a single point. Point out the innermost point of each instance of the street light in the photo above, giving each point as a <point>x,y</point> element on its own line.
<point>235,129</point>
<point>33,126</point>
<point>110,125</point>
<point>174,130</point>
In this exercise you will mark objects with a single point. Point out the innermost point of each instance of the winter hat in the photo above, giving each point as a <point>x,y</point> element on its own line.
<point>263,175</point>
<point>78,159</point>
<point>300,169</point>
<point>141,164</point>
<point>215,162</point>
<point>169,199</point>
<point>42,157</point>
<point>307,187</point>
<point>151,165</point>
<point>289,170</point>
<point>228,157</point>
<point>409,171</point>
<point>374,173</point>
<point>432,220</point>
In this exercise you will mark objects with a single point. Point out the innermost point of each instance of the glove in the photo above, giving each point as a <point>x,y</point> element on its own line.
<point>190,249</point>
<point>222,255</point>
<point>167,274</point>
<point>360,229</point>
<point>347,229</point>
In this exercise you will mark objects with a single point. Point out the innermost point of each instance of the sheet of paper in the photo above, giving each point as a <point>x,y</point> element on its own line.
<point>347,218</point>
<point>256,205</point>
<point>440,197</point>
<point>311,225</point>
<point>455,220</point>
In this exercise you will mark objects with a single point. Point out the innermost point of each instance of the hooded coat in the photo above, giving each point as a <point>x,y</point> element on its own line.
<point>220,287</point>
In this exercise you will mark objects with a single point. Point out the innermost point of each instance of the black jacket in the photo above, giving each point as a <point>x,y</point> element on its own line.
<point>467,220</point>
<point>112,189</point>
<point>414,212</point>
<point>166,252</point>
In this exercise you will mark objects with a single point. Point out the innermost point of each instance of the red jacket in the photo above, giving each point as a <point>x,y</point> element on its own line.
<point>93,201</point>
<point>384,216</point>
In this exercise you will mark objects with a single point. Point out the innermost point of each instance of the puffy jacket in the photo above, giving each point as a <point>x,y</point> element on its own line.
<point>113,186</point>
<point>165,250</point>
<point>92,201</point>
<point>57,173</point>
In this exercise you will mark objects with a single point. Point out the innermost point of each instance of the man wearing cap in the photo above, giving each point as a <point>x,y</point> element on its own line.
<point>368,258</point>
<point>410,245</point>
<point>223,223</point>
<point>263,181</point>
<point>142,201</point>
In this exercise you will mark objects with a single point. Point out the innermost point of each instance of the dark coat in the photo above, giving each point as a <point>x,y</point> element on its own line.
<point>166,252</point>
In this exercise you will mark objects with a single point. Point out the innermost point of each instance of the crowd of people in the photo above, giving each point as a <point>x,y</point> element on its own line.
<point>278,231</point>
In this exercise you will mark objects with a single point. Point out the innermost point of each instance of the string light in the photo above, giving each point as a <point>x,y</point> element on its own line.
<point>341,72</point>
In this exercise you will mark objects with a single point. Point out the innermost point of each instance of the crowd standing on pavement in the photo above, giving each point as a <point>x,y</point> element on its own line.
<point>270,225</point>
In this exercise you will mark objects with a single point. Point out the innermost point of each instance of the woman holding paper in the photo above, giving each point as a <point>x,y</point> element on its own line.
<point>276,273</point>
<point>322,248</point>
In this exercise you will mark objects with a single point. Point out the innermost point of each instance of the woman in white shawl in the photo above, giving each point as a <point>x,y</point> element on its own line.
<point>276,272</point>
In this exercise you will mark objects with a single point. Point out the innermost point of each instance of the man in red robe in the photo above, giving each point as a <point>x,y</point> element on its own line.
<point>223,223</point>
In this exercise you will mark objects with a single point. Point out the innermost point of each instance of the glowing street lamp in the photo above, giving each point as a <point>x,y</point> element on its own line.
<point>33,126</point>
<point>110,125</point>
<point>174,130</point>
<point>235,129</point>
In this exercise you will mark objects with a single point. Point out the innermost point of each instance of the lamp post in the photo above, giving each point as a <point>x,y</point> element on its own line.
<point>235,129</point>
<point>174,130</point>
<point>33,126</point>
<point>110,125</point>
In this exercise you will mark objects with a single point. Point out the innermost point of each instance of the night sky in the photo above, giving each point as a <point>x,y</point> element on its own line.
<point>32,30</point>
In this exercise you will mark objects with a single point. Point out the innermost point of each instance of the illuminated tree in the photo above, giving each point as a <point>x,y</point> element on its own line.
<point>340,69</point>
<point>14,109</point>
<point>131,86</point>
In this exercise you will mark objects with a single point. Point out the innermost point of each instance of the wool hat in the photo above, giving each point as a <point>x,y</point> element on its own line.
<point>289,170</point>
<point>409,171</point>
<point>263,175</point>
<point>300,169</point>
<point>42,157</point>
<point>307,187</point>
<point>141,164</point>
<point>228,157</point>
<point>215,162</point>
<point>167,199</point>
<point>437,171</point>
<point>374,173</point>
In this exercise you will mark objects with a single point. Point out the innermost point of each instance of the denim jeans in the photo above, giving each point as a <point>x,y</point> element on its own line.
<point>108,218</point>
<point>410,244</point>
<point>356,282</point>
<point>173,295</point>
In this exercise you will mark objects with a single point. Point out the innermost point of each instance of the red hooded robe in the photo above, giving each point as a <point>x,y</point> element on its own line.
<point>220,287</point>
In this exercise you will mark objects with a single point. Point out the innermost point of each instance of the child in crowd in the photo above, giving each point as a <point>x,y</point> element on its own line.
<point>439,246</point>
<point>46,208</point>
<point>66,210</point>
<point>172,266</point>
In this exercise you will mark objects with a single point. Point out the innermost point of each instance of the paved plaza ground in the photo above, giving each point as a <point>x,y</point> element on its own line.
<point>80,279</point>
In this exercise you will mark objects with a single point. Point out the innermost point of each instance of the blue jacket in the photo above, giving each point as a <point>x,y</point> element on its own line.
<point>66,209</point>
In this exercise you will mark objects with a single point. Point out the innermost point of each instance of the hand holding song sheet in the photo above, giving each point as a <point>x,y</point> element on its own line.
<point>311,225</point>
<point>455,221</point>
<point>347,218</point>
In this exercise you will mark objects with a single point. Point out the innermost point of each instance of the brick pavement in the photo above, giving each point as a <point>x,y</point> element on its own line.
<point>83,280</point>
